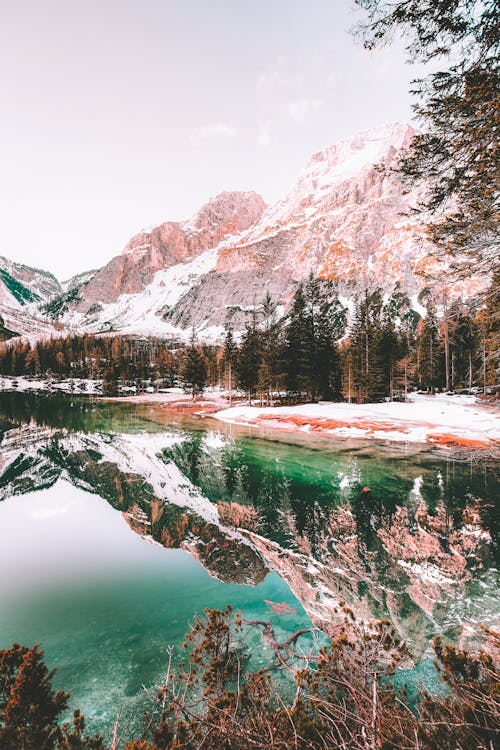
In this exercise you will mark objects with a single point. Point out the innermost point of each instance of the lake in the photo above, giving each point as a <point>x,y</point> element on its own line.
<point>118,523</point>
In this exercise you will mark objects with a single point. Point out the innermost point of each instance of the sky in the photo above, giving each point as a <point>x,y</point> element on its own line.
<point>121,114</point>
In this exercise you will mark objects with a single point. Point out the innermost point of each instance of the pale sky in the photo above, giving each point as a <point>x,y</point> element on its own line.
<point>119,114</point>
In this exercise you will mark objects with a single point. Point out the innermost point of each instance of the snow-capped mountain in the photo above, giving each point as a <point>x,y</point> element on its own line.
<point>21,285</point>
<point>345,219</point>
<point>341,220</point>
<point>22,290</point>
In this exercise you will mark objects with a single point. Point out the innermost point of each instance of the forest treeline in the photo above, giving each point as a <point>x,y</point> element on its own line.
<point>380,350</point>
<point>344,695</point>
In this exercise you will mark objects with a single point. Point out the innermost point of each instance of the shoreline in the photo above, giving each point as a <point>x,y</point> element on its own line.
<point>436,421</point>
<point>455,421</point>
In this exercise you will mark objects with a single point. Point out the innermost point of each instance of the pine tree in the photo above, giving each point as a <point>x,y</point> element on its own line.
<point>298,346</point>
<point>429,350</point>
<point>250,358</point>
<point>406,372</point>
<point>30,707</point>
<point>456,155</point>
<point>194,369</point>
<point>464,350</point>
<point>229,358</point>
<point>392,347</point>
<point>316,321</point>
<point>330,326</point>
<point>368,365</point>
<point>271,368</point>
<point>488,321</point>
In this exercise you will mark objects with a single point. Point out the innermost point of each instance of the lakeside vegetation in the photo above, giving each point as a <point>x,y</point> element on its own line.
<point>345,696</point>
<point>386,350</point>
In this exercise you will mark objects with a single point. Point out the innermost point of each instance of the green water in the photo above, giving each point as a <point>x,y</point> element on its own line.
<point>98,498</point>
<point>104,603</point>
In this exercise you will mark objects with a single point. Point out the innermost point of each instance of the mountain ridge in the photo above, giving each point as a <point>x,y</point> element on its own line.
<point>345,219</point>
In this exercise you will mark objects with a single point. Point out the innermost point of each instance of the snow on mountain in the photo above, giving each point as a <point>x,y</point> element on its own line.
<point>75,282</point>
<point>343,220</point>
<point>21,285</point>
<point>340,220</point>
<point>342,206</point>
<point>22,290</point>
<point>138,312</point>
<point>346,218</point>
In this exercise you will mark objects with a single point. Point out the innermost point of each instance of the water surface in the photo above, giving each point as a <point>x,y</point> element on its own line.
<point>119,523</point>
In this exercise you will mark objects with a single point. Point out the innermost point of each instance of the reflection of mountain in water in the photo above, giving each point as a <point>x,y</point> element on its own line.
<point>245,507</point>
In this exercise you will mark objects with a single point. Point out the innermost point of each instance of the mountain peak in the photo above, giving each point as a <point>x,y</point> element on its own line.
<point>361,151</point>
<point>395,134</point>
<point>342,220</point>
<point>244,207</point>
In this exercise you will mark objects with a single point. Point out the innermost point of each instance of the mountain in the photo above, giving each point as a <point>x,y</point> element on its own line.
<point>22,289</point>
<point>157,266</point>
<point>341,220</point>
<point>345,219</point>
<point>20,285</point>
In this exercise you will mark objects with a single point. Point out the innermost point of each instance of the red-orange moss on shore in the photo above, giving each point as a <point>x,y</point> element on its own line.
<point>444,438</point>
<point>325,424</point>
<point>201,408</point>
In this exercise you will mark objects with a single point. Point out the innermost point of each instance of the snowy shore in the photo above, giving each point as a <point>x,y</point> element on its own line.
<point>455,420</point>
<point>439,419</point>
<point>462,421</point>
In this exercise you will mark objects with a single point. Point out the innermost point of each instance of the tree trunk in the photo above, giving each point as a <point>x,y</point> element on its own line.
<point>431,366</point>
<point>484,365</point>
<point>446,346</point>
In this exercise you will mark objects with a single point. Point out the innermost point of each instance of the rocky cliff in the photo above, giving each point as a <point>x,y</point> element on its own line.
<point>345,219</point>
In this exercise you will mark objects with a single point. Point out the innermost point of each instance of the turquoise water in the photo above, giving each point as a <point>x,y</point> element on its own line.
<point>98,498</point>
<point>104,603</point>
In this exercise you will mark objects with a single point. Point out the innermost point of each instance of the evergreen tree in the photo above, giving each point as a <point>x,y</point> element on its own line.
<point>488,321</point>
<point>429,350</point>
<point>272,345</point>
<point>298,346</point>
<point>316,322</point>
<point>464,351</point>
<point>194,369</point>
<point>393,342</point>
<point>330,325</point>
<point>456,155</point>
<point>30,707</point>
<point>406,374</point>
<point>250,358</point>
<point>229,359</point>
<point>368,365</point>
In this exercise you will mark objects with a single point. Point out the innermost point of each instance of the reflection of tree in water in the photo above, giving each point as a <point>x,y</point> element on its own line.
<point>226,475</point>
<point>272,502</point>
<point>373,545</point>
<point>220,474</point>
<point>188,456</point>
<point>458,484</point>
<point>375,506</point>
<point>71,413</point>
<point>294,507</point>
